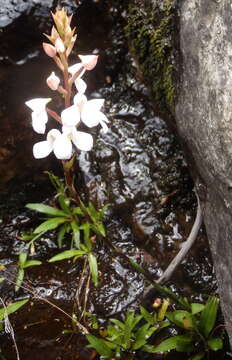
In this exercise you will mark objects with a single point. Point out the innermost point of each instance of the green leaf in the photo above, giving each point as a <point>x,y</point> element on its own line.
<point>11,308</point>
<point>19,279</point>
<point>208,315</point>
<point>166,345</point>
<point>98,229</point>
<point>45,209</point>
<point>67,255</point>
<point>181,318</point>
<point>163,309</point>
<point>215,344</point>
<point>86,228</point>
<point>118,323</point>
<point>76,234</point>
<point>198,356</point>
<point>50,224</point>
<point>2,279</point>
<point>196,308</point>
<point>22,259</point>
<point>64,204</point>
<point>93,268</point>
<point>142,336</point>
<point>150,318</point>
<point>56,182</point>
<point>99,345</point>
<point>32,263</point>
<point>61,234</point>
<point>185,345</point>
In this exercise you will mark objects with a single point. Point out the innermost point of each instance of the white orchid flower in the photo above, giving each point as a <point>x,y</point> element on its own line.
<point>82,140</point>
<point>39,114</point>
<point>61,143</point>
<point>90,113</point>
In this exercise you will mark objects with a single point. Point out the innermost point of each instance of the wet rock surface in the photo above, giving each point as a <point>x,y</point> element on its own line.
<point>137,168</point>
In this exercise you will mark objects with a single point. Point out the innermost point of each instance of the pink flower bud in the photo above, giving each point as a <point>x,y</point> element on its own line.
<point>59,45</point>
<point>88,61</point>
<point>49,49</point>
<point>157,302</point>
<point>53,81</point>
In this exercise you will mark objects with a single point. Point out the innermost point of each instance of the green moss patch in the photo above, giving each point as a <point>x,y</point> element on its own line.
<point>150,31</point>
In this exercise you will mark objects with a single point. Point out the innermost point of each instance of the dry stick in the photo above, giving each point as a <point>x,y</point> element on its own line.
<point>183,251</point>
<point>186,246</point>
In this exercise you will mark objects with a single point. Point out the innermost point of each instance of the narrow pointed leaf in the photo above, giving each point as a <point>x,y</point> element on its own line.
<point>99,345</point>
<point>45,209</point>
<point>12,308</point>
<point>67,255</point>
<point>93,268</point>
<point>32,263</point>
<point>196,308</point>
<point>50,224</point>
<point>208,315</point>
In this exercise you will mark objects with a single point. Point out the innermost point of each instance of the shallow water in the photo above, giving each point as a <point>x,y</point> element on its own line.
<point>137,168</point>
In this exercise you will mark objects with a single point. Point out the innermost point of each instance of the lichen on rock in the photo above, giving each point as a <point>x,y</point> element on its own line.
<point>151,36</point>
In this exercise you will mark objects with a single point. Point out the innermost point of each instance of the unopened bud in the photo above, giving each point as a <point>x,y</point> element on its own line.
<point>59,45</point>
<point>156,304</point>
<point>49,49</point>
<point>53,81</point>
<point>88,61</point>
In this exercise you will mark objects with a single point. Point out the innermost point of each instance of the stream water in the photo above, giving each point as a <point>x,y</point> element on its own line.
<point>137,168</point>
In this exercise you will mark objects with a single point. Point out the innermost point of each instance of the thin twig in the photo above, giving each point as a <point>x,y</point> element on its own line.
<point>36,295</point>
<point>9,328</point>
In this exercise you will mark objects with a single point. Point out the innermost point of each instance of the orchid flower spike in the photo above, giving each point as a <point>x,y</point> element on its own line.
<point>61,143</point>
<point>39,114</point>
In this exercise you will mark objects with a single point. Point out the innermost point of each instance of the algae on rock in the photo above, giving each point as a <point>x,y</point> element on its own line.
<point>150,32</point>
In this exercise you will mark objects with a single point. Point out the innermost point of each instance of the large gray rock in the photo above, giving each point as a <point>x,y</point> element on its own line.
<point>183,51</point>
<point>204,120</point>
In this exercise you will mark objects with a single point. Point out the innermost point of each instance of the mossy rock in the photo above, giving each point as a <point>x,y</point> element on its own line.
<point>152,32</point>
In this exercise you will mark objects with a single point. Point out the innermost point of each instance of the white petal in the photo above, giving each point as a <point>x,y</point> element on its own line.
<point>39,120</point>
<point>89,61</point>
<point>82,140</point>
<point>38,104</point>
<point>62,147</point>
<point>42,149</point>
<point>70,116</point>
<point>80,85</point>
<point>80,100</point>
<point>75,68</point>
<point>96,103</point>
<point>90,114</point>
<point>52,135</point>
<point>104,127</point>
